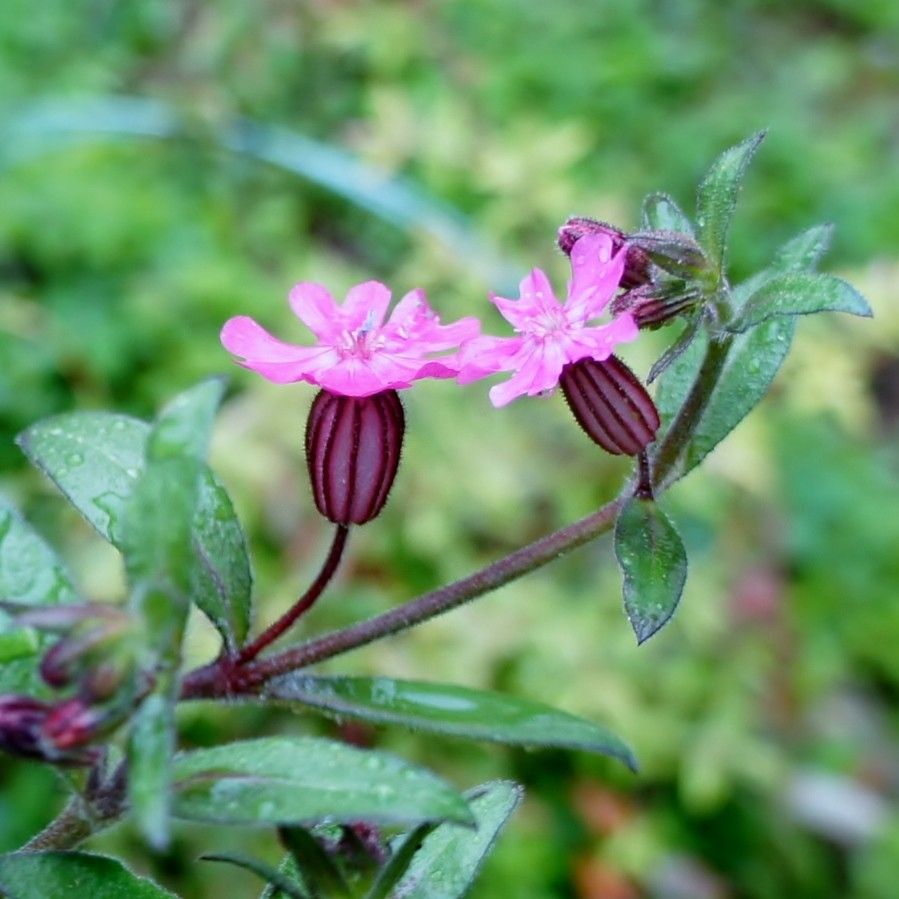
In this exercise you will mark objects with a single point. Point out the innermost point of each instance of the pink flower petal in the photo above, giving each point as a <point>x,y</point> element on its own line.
<point>599,342</point>
<point>365,305</point>
<point>537,297</point>
<point>244,337</point>
<point>487,355</point>
<point>539,371</point>
<point>594,277</point>
<point>413,323</point>
<point>315,307</point>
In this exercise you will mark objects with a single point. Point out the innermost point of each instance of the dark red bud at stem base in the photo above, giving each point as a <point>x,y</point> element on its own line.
<point>611,405</point>
<point>353,449</point>
<point>637,267</point>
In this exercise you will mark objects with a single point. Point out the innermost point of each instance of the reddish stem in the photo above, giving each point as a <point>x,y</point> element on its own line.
<point>303,604</point>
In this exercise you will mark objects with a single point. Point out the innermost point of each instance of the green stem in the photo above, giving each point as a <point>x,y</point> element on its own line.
<point>678,437</point>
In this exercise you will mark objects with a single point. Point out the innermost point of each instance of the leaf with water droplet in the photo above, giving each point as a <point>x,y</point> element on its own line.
<point>800,293</point>
<point>661,213</point>
<point>450,710</point>
<point>31,574</point>
<point>48,875</point>
<point>113,449</point>
<point>184,425</point>
<point>304,780</point>
<point>716,197</point>
<point>654,564</point>
<point>752,362</point>
<point>450,857</point>
<point>110,453</point>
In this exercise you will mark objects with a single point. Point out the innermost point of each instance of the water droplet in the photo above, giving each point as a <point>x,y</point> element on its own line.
<point>74,459</point>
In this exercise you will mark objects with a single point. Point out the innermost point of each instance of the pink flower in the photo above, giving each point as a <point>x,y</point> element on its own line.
<point>552,334</point>
<point>356,353</point>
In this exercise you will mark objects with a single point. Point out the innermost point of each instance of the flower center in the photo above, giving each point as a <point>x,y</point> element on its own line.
<point>361,343</point>
<point>550,323</point>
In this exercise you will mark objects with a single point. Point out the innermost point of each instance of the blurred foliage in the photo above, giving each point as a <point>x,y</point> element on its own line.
<point>120,260</point>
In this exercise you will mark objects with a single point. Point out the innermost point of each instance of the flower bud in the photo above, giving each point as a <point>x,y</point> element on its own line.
<point>21,718</point>
<point>637,267</point>
<point>653,306</point>
<point>353,449</point>
<point>610,404</point>
<point>71,723</point>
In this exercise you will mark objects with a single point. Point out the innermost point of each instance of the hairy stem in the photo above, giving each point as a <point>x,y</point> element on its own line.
<point>303,604</point>
<point>69,828</point>
<point>207,682</point>
<point>678,436</point>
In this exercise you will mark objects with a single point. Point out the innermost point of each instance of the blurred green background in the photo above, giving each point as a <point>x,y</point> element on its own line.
<point>765,715</point>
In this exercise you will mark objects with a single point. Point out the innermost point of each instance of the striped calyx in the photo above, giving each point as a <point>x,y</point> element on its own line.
<point>611,405</point>
<point>353,449</point>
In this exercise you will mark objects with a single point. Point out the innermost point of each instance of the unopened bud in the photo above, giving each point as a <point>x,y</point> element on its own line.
<point>21,718</point>
<point>71,723</point>
<point>637,267</point>
<point>672,251</point>
<point>353,449</point>
<point>652,307</point>
<point>611,405</point>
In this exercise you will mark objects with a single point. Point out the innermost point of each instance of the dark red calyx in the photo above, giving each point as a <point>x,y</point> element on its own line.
<point>611,405</point>
<point>353,447</point>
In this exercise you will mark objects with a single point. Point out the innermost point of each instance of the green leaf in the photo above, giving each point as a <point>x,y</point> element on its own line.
<point>751,365</point>
<point>18,643</point>
<point>156,542</point>
<point>804,251</point>
<point>451,857</point>
<point>72,875</point>
<point>95,458</point>
<point>31,574</point>
<point>800,293</point>
<point>222,583</point>
<point>287,869</point>
<point>661,213</point>
<point>151,748</point>
<point>109,451</point>
<point>184,426</point>
<point>716,197</point>
<point>302,780</point>
<point>654,564</point>
<point>318,868</point>
<point>451,710</point>
<point>281,882</point>
<point>399,862</point>
<point>157,527</point>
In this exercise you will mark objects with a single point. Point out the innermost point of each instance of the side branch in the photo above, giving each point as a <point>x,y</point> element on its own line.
<point>207,682</point>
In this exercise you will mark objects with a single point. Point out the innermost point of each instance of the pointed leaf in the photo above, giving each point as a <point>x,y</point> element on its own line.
<point>449,709</point>
<point>30,574</point>
<point>281,780</point>
<point>222,584</point>
<point>804,251</point>
<point>450,856</point>
<point>57,875</point>
<point>320,871</point>
<point>94,458</point>
<point>281,882</point>
<point>399,861</point>
<point>716,197</point>
<point>156,542</point>
<point>151,748</point>
<point>677,349</point>
<point>661,213</point>
<point>654,564</point>
<point>184,426</point>
<point>800,293</point>
<point>752,362</point>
